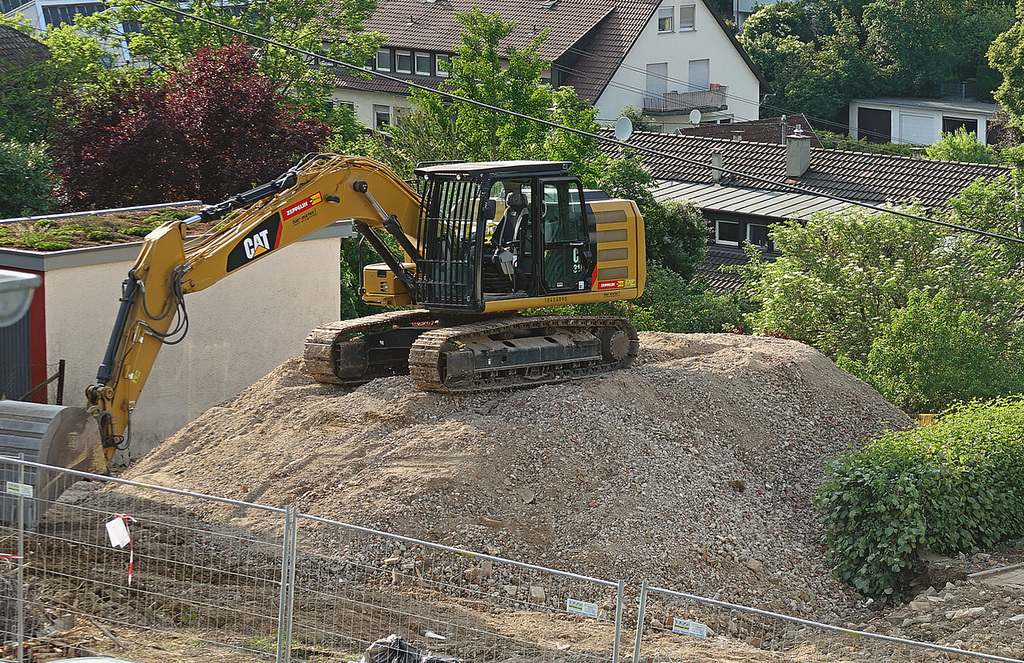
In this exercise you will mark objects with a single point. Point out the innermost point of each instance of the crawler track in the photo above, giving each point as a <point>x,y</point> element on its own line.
<point>352,352</point>
<point>521,352</point>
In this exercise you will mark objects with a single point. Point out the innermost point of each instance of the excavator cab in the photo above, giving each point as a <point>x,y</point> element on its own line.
<point>501,231</point>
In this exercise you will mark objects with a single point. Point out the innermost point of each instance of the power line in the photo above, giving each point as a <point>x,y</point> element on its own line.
<point>622,144</point>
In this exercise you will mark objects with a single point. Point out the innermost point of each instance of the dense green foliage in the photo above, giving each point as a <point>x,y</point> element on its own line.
<point>672,304</point>
<point>819,55</point>
<point>24,179</point>
<point>935,351</point>
<point>961,145</point>
<point>929,318</point>
<point>947,488</point>
<point>1006,55</point>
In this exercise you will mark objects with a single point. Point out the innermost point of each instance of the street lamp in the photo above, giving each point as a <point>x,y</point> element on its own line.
<point>15,295</point>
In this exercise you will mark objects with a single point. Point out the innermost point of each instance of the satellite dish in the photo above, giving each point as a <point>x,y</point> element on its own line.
<point>623,128</point>
<point>695,116</point>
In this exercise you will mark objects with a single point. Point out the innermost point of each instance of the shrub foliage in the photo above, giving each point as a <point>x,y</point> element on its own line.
<point>946,488</point>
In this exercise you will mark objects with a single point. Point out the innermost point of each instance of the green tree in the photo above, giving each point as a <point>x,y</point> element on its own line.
<point>961,145</point>
<point>24,179</point>
<point>676,237</point>
<point>842,274</point>
<point>1006,55</point>
<point>640,121</point>
<point>919,358</point>
<point>165,41</point>
<point>479,72</point>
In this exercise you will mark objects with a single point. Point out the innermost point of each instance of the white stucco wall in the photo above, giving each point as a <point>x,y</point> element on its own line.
<point>705,41</point>
<point>365,101</point>
<point>240,329</point>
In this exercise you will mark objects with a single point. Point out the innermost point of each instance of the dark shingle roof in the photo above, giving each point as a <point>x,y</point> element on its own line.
<point>16,46</point>
<point>711,268</point>
<point>768,130</point>
<point>861,176</point>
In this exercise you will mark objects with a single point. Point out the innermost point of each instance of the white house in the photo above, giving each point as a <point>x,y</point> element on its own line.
<point>918,121</point>
<point>240,329</point>
<point>669,58</point>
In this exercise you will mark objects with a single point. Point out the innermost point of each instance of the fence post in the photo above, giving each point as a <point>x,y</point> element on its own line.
<point>287,598</point>
<point>21,560</point>
<point>641,609</point>
<point>620,600</point>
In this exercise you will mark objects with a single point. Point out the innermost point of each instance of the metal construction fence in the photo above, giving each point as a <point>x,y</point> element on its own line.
<point>121,558</point>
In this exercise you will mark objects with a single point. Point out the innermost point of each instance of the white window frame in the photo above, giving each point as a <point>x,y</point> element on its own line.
<point>419,56</point>
<point>666,14</point>
<point>683,11</point>
<point>770,247</point>
<point>379,109</point>
<point>398,58</point>
<point>441,73</point>
<point>718,231</point>
<point>376,60</point>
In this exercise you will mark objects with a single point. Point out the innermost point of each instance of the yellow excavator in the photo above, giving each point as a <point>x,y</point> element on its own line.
<point>465,249</point>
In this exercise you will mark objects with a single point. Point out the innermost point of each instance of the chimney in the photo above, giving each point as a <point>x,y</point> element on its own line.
<point>737,135</point>
<point>798,154</point>
<point>716,166</point>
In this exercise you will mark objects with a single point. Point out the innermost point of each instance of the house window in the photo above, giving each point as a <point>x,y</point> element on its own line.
<point>951,124</point>
<point>757,234</point>
<point>665,19</point>
<point>403,62</point>
<point>381,116</point>
<point>686,16</point>
<point>438,59</point>
<point>65,14</point>
<point>423,64</point>
<point>383,60</point>
<point>728,232</point>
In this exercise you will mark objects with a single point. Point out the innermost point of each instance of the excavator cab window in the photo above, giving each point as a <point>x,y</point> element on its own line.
<point>567,257</point>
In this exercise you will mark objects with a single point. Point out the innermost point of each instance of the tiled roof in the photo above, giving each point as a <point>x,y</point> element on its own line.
<point>875,178</point>
<point>768,130</point>
<point>14,45</point>
<point>717,258</point>
<point>587,39</point>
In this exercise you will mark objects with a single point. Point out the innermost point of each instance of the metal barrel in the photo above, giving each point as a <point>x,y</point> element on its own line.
<point>51,435</point>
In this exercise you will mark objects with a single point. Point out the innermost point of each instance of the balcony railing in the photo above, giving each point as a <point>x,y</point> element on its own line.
<point>684,102</point>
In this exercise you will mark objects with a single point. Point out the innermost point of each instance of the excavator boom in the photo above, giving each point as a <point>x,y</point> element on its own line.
<point>482,242</point>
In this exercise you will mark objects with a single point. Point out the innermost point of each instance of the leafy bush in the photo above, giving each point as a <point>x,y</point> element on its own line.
<point>45,223</point>
<point>138,231</point>
<point>25,186</point>
<point>671,304</point>
<point>961,145</point>
<point>947,488</point>
<point>934,353</point>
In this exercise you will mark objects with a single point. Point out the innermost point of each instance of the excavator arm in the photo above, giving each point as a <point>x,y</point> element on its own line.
<point>316,193</point>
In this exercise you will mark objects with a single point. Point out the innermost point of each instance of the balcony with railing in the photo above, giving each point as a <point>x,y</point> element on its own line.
<point>684,102</point>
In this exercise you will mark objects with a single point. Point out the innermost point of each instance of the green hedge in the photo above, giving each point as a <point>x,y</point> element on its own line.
<point>947,488</point>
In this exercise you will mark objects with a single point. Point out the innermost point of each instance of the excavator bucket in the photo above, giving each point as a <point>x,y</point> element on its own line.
<point>51,435</point>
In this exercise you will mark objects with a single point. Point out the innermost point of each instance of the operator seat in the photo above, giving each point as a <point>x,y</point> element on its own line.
<point>499,272</point>
<point>517,210</point>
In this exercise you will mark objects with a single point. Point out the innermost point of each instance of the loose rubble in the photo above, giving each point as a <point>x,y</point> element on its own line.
<point>695,470</point>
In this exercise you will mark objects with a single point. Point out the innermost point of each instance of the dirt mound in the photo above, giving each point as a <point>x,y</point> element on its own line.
<point>694,469</point>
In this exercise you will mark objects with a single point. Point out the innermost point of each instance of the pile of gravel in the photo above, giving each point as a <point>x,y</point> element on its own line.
<point>695,469</point>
